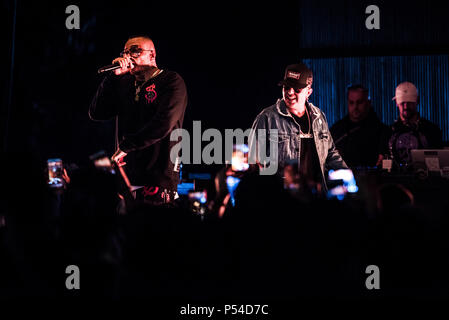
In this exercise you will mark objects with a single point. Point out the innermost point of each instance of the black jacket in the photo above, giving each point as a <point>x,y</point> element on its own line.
<point>420,135</point>
<point>143,128</point>
<point>361,143</point>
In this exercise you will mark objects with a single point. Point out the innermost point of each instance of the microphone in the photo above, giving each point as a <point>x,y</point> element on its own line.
<point>110,67</point>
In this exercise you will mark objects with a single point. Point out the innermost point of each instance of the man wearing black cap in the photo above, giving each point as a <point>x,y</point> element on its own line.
<point>303,132</point>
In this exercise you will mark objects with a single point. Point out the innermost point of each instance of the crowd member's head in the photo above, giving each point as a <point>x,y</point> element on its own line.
<point>296,85</point>
<point>407,100</point>
<point>358,103</point>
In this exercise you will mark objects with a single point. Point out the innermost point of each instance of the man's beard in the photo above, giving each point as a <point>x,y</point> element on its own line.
<point>409,114</point>
<point>140,69</point>
<point>410,118</point>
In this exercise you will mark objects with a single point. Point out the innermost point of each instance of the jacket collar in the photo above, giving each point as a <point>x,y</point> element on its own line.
<point>282,109</point>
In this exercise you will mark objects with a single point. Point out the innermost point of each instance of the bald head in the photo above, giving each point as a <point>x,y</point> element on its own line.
<point>147,57</point>
<point>143,42</point>
<point>358,103</point>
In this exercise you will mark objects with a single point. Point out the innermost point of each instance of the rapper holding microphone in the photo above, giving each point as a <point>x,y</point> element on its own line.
<point>147,103</point>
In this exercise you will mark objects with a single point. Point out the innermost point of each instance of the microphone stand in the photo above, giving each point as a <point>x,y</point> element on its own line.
<point>124,185</point>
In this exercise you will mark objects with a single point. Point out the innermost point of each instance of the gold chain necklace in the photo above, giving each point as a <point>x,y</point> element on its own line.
<point>155,73</point>
<point>302,134</point>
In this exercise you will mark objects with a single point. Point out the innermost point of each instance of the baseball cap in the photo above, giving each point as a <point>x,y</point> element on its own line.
<point>406,92</point>
<point>297,76</point>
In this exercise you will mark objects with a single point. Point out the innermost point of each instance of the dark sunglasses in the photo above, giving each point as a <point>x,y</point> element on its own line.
<point>133,52</point>
<point>286,88</point>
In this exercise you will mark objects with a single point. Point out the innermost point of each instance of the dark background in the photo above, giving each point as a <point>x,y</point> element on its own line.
<point>231,55</point>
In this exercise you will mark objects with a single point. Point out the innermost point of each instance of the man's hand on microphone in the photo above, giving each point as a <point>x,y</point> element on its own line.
<point>126,64</point>
<point>118,157</point>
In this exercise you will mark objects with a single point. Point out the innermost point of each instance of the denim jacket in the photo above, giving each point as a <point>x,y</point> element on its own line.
<point>288,138</point>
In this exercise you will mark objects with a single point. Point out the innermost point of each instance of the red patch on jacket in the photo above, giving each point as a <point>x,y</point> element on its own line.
<point>151,93</point>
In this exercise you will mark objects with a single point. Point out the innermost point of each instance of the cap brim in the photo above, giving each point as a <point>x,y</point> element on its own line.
<point>406,98</point>
<point>291,84</point>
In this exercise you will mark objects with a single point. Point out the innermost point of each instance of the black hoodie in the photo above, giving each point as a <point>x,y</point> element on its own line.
<point>143,127</point>
<point>421,134</point>
<point>361,143</point>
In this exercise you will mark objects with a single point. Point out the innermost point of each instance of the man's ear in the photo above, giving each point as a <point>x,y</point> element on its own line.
<point>309,92</point>
<point>153,55</point>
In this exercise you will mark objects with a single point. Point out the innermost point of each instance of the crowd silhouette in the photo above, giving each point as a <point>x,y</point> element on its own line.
<point>271,244</point>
